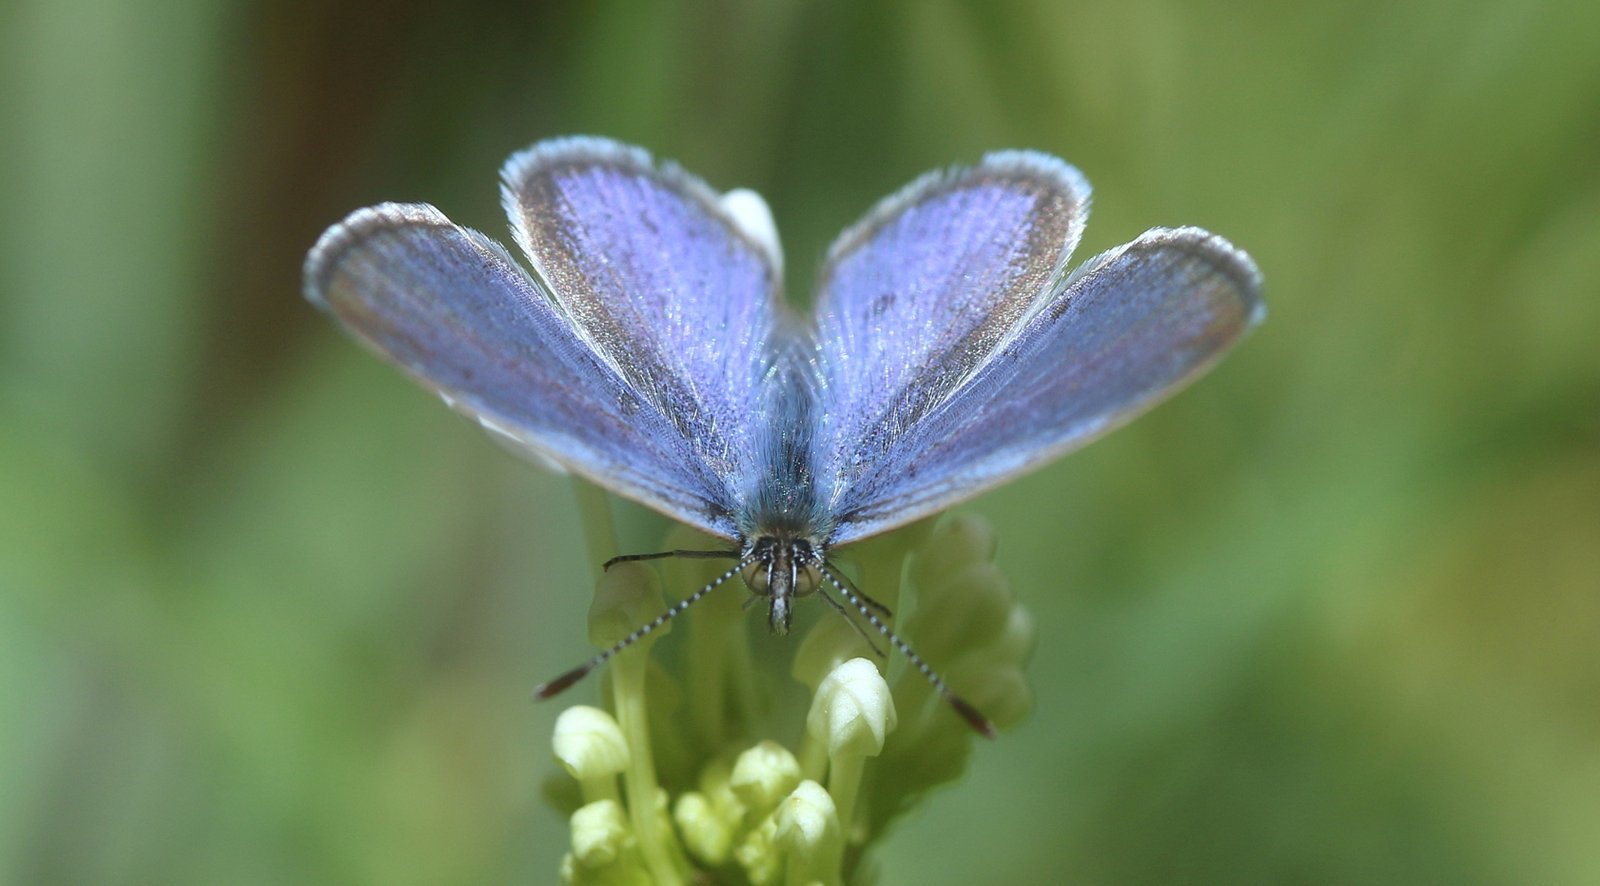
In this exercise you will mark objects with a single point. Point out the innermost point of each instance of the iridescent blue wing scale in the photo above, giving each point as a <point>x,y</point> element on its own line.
<point>454,310</point>
<point>1125,331</point>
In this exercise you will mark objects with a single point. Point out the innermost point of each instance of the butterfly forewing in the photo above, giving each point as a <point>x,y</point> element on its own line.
<point>1113,340</point>
<point>918,295</point>
<point>455,311</point>
<point>654,271</point>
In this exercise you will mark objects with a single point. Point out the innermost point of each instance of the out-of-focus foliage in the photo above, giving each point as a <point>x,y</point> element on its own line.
<point>270,614</point>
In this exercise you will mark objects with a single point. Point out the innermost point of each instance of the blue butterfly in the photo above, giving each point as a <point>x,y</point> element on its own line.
<point>647,347</point>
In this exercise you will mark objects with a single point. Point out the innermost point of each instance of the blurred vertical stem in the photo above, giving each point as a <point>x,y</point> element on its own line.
<point>719,661</point>
<point>628,671</point>
<point>594,513</point>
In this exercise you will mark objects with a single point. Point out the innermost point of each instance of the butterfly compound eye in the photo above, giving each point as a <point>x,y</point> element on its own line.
<point>806,579</point>
<point>756,575</point>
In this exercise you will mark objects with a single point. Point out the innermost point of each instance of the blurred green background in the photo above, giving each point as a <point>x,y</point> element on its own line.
<point>270,614</point>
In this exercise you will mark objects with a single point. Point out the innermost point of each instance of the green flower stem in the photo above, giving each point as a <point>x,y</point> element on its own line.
<point>813,757</point>
<point>602,787</point>
<point>844,784</point>
<point>657,844</point>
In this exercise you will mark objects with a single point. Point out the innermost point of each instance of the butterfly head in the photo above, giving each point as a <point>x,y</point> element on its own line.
<point>781,566</point>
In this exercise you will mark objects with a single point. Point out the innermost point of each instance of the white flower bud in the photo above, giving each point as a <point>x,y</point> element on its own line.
<point>808,833</point>
<point>806,818</point>
<point>853,711</point>
<point>751,214</point>
<point>589,743</point>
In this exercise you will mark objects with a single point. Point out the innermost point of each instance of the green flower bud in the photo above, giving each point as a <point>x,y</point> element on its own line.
<point>706,834</point>
<point>763,775</point>
<point>963,609</point>
<point>955,542</point>
<point>1016,641</point>
<point>627,596</point>
<point>757,855</point>
<point>625,873</point>
<point>1001,693</point>
<point>600,834</point>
